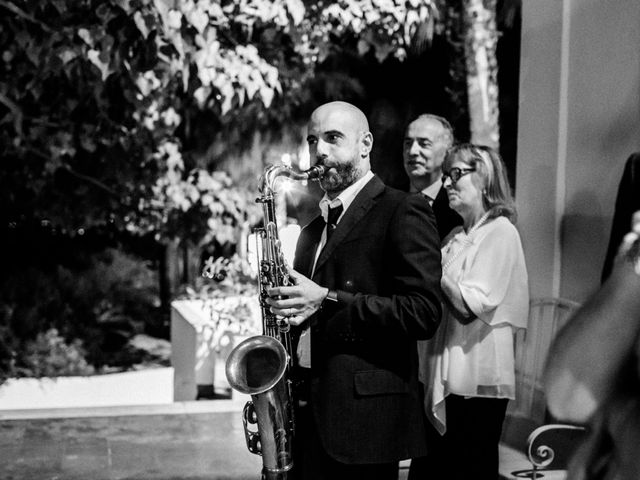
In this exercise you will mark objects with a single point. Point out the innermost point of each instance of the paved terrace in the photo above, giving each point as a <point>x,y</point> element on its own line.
<point>189,441</point>
<point>201,440</point>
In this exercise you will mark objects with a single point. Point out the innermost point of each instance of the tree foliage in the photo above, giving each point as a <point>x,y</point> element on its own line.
<point>98,99</point>
<point>108,111</point>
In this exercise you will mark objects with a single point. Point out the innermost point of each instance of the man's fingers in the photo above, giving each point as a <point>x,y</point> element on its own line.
<point>296,320</point>
<point>627,241</point>
<point>295,302</point>
<point>295,275</point>
<point>286,312</point>
<point>276,291</point>
<point>288,291</point>
<point>298,278</point>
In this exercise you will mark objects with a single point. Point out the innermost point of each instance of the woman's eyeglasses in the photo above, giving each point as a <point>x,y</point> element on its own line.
<point>456,173</point>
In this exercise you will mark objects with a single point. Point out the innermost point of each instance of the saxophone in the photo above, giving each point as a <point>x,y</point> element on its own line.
<point>260,366</point>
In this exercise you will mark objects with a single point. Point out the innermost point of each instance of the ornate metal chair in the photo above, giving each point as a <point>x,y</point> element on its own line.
<point>546,317</point>
<point>550,447</point>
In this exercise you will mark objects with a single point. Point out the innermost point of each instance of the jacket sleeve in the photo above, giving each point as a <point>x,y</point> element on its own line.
<point>410,301</point>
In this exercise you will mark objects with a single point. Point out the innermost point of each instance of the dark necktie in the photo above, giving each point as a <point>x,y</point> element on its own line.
<point>332,219</point>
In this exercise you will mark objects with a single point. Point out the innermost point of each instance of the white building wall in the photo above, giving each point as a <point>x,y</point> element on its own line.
<point>579,120</point>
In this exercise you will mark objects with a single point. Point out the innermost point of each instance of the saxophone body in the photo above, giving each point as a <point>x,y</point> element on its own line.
<point>260,366</point>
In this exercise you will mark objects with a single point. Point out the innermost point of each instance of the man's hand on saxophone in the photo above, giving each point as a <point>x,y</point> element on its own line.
<point>299,301</point>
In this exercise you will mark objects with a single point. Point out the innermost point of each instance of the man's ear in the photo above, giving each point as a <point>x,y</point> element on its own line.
<point>366,144</point>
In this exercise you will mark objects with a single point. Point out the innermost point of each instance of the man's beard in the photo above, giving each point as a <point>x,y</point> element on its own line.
<point>343,177</point>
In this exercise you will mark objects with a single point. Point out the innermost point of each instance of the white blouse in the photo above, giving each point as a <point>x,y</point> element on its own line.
<point>477,359</point>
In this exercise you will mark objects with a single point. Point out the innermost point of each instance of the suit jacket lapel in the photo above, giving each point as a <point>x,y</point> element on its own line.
<point>358,208</point>
<point>441,202</point>
<point>308,245</point>
<point>446,217</point>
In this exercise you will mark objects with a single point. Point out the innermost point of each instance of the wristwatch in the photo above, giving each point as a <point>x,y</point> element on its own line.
<point>331,298</point>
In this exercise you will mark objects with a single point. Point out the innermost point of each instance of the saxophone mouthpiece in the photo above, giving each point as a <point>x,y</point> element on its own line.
<point>315,172</point>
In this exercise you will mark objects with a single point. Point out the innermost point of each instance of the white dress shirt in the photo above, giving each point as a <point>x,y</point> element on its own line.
<point>345,198</point>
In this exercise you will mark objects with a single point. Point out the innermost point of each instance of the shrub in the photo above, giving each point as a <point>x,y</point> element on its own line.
<point>50,356</point>
<point>94,307</point>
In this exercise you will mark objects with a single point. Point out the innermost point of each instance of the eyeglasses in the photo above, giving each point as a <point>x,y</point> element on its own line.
<point>456,173</point>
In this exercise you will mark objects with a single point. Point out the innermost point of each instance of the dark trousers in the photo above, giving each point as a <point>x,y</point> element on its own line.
<point>312,462</point>
<point>469,448</point>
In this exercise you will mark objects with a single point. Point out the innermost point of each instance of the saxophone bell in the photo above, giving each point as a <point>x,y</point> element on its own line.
<point>257,367</point>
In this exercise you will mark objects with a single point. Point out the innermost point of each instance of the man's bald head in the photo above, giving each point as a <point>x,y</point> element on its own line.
<point>349,112</point>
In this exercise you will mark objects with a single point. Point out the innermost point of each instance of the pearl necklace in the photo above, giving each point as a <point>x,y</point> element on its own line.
<point>465,243</point>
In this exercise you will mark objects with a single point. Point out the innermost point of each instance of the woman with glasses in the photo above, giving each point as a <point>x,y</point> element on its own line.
<point>468,369</point>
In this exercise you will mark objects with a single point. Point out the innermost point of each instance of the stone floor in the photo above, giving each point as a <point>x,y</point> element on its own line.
<point>161,445</point>
<point>184,441</point>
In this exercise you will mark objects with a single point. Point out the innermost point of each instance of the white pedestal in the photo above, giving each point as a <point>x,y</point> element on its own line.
<point>200,345</point>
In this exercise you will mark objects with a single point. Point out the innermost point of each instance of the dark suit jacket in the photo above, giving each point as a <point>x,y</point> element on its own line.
<point>384,261</point>
<point>627,202</point>
<point>446,218</point>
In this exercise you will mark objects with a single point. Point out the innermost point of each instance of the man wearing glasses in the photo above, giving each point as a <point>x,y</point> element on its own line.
<point>426,140</point>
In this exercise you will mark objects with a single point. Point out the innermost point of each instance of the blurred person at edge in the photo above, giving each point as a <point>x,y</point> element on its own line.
<point>468,368</point>
<point>592,376</point>
<point>627,202</point>
<point>426,141</point>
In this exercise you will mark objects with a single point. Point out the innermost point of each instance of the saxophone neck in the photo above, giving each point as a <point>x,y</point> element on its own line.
<point>272,172</point>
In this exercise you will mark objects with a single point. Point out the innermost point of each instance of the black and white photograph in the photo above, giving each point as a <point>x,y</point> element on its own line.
<point>319,240</point>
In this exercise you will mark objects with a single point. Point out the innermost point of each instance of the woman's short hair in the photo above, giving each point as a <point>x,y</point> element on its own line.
<point>496,192</point>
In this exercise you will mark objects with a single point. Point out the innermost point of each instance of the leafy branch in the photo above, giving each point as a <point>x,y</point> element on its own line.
<point>21,13</point>
<point>109,94</point>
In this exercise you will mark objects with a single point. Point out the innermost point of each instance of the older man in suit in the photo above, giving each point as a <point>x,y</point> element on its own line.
<point>426,141</point>
<point>366,287</point>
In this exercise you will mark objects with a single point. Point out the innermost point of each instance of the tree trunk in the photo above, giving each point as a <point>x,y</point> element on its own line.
<point>164,280</point>
<point>481,40</point>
